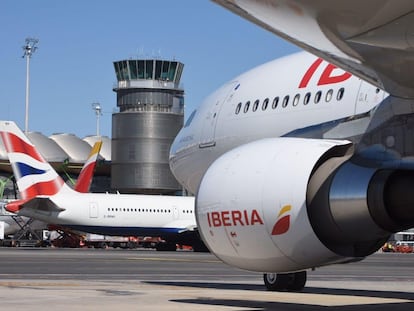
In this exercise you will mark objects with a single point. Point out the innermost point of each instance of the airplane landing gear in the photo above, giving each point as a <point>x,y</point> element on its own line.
<point>292,282</point>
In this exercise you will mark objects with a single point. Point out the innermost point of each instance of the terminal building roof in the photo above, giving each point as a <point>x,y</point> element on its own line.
<point>63,148</point>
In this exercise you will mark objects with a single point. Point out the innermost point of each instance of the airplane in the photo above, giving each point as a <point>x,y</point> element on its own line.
<point>13,223</point>
<point>307,160</point>
<point>45,196</point>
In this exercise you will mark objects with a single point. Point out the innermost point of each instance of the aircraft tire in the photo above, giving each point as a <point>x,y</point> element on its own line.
<point>299,281</point>
<point>285,281</point>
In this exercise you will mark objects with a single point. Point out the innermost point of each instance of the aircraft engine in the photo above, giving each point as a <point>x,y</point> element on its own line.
<point>288,204</point>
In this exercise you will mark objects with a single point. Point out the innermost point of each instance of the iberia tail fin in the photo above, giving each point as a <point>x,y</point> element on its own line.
<point>34,176</point>
<point>85,177</point>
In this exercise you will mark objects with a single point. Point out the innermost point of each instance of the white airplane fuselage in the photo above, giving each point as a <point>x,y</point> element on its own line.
<point>230,116</point>
<point>119,214</point>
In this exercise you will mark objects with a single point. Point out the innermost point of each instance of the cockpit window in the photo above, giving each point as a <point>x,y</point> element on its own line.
<point>190,118</point>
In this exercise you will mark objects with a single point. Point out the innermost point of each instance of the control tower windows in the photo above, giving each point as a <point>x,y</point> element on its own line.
<point>171,71</point>
<point>149,69</point>
<point>121,69</point>
<point>117,71</point>
<point>133,69</point>
<point>141,69</point>
<point>124,70</point>
<point>164,73</point>
<point>158,67</point>
<point>179,72</point>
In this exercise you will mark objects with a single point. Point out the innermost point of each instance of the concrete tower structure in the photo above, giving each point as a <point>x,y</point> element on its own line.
<point>151,113</point>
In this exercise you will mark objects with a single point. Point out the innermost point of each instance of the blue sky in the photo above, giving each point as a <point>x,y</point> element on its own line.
<point>80,39</point>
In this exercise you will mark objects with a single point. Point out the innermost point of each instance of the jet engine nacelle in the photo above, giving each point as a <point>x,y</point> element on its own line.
<point>288,204</point>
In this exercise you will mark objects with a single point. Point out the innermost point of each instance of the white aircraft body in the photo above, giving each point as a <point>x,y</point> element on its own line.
<point>47,198</point>
<point>297,163</point>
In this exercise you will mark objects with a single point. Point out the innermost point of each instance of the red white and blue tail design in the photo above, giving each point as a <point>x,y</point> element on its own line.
<point>34,175</point>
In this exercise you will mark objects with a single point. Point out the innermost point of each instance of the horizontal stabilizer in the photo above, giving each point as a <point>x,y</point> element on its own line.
<point>42,205</point>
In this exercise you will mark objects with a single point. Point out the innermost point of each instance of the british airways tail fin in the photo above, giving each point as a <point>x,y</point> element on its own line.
<point>85,177</point>
<point>34,175</point>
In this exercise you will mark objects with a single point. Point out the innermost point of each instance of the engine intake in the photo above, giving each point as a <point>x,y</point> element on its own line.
<point>355,209</point>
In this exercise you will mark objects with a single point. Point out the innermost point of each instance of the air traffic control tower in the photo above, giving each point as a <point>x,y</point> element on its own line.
<point>151,113</point>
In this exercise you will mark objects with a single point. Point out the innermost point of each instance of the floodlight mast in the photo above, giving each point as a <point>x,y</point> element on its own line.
<point>98,112</point>
<point>29,48</point>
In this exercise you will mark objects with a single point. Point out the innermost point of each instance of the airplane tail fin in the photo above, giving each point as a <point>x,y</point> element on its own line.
<point>85,177</point>
<point>34,175</point>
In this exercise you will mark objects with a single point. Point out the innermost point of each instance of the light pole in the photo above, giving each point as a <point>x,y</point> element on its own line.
<point>29,48</point>
<point>98,112</point>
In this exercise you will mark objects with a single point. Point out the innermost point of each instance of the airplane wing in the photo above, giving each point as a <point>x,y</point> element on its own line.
<point>372,39</point>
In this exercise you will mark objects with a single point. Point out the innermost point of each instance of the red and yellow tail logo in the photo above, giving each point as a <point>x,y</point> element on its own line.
<point>283,221</point>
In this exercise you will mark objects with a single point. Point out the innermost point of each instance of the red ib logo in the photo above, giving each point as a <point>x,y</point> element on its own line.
<point>283,221</point>
<point>328,76</point>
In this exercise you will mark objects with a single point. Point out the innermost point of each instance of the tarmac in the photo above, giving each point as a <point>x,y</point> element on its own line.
<point>88,279</point>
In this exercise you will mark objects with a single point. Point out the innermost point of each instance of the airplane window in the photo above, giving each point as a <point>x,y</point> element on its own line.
<point>246,107</point>
<point>275,102</point>
<point>238,108</point>
<point>318,96</point>
<point>296,100</point>
<point>377,90</point>
<point>265,103</point>
<point>190,118</point>
<point>306,98</point>
<point>255,105</point>
<point>285,101</point>
<point>328,96</point>
<point>340,94</point>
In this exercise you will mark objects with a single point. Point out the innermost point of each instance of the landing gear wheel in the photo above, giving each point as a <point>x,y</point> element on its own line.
<point>285,281</point>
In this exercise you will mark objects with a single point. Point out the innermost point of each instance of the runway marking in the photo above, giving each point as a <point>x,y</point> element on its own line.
<point>173,260</point>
